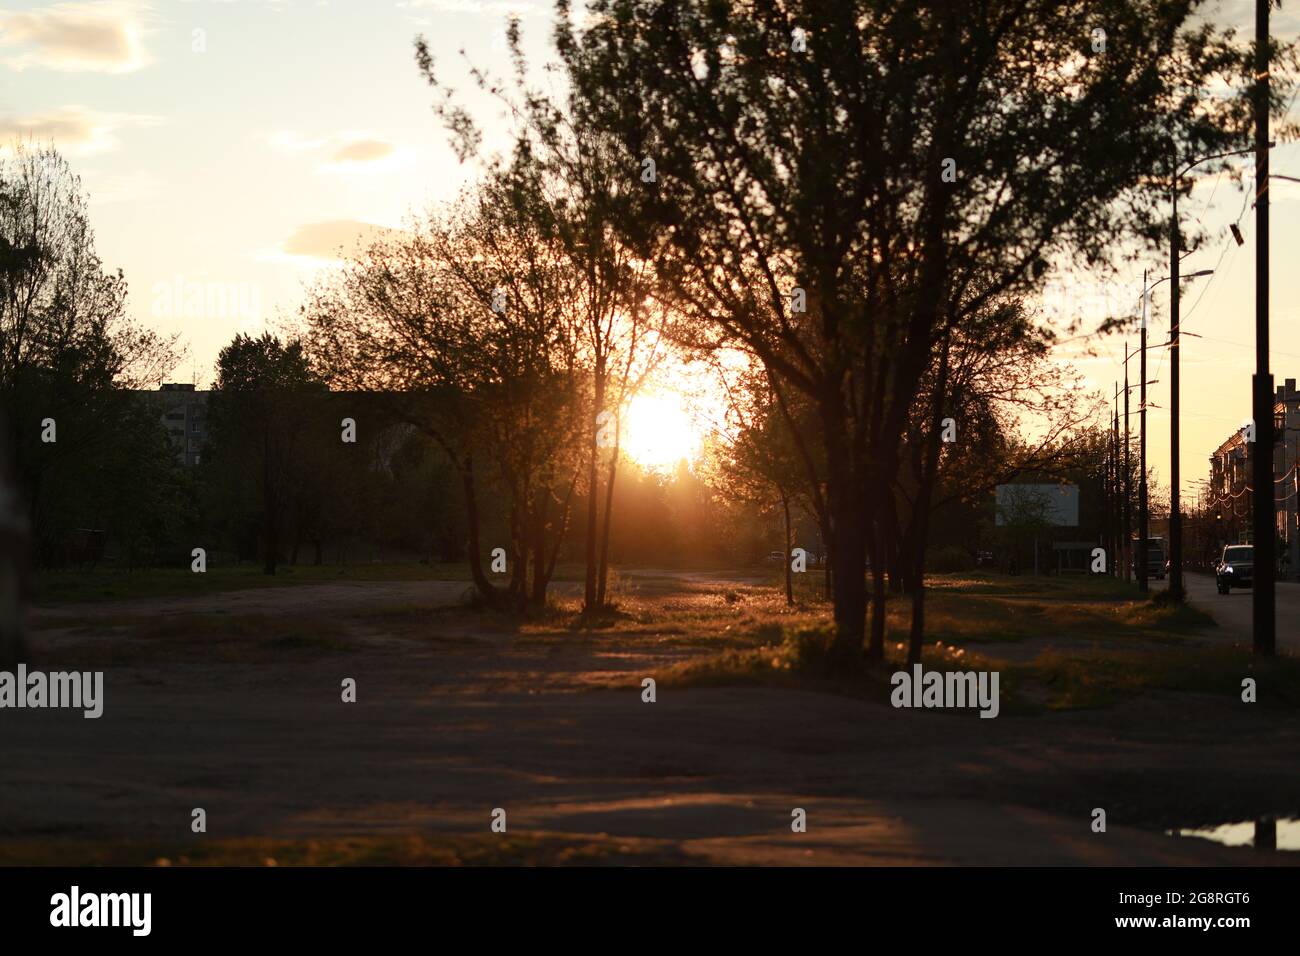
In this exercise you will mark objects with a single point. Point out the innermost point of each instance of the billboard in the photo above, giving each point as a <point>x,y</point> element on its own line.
<point>1038,504</point>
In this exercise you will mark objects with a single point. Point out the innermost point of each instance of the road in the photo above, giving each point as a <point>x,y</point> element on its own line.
<point>1234,611</point>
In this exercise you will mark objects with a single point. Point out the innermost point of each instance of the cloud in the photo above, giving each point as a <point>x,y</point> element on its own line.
<point>332,239</point>
<point>362,151</point>
<point>98,37</point>
<point>75,130</point>
<point>347,151</point>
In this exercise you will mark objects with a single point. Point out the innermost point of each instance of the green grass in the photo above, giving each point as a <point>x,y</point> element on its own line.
<point>1061,681</point>
<point>1102,644</point>
<point>966,609</point>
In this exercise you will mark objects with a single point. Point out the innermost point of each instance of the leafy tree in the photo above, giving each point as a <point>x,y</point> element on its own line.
<point>259,422</point>
<point>905,166</point>
<point>69,353</point>
<point>569,183</point>
<point>469,319</point>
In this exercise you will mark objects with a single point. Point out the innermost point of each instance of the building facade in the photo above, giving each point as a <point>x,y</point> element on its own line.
<point>183,411</point>
<point>1229,491</point>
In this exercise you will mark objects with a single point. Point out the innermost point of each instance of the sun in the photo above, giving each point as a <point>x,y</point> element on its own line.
<point>659,431</point>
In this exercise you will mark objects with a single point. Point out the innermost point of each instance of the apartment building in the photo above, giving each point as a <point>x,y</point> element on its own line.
<point>184,413</point>
<point>1229,492</point>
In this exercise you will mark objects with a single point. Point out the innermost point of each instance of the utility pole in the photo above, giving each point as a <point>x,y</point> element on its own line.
<point>1106,503</point>
<point>1128,471</point>
<point>1175,515</point>
<point>1116,496</point>
<point>1140,558</point>
<point>1265,520</point>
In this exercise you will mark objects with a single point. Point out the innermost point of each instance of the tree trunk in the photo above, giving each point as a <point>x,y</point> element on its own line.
<point>486,588</point>
<point>847,510</point>
<point>921,515</point>
<point>540,577</point>
<point>602,583</point>
<point>590,596</point>
<point>519,535</point>
<point>879,608</point>
<point>789,571</point>
<point>876,552</point>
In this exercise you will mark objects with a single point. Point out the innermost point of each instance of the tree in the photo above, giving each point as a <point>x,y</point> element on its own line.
<point>570,185</point>
<point>905,166</point>
<point>68,357</point>
<point>759,461</point>
<point>469,318</point>
<point>991,374</point>
<point>258,424</point>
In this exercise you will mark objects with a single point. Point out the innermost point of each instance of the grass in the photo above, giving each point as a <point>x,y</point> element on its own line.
<point>1061,681</point>
<point>411,850</point>
<point>1103,644</point>
<point>1060,642</point>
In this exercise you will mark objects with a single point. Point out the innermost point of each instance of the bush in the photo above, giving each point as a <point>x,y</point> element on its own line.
<point>807,651</point>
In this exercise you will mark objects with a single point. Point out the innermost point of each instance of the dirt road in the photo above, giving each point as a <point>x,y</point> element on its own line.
<point>458,722</point>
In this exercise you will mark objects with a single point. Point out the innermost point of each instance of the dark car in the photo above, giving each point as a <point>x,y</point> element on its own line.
<point>1236,569</point>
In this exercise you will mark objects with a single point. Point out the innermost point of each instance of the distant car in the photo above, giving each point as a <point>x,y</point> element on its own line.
<point>1236,569</point>
<point>776,557</point>
<point>984,559</point>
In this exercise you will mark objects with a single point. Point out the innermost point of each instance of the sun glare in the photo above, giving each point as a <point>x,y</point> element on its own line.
<point>659,431</point>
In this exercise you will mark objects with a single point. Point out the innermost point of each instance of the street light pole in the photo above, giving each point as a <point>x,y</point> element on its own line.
<point>1128,471</point>
<point>1140,558</point>
<point>1116,489</point>
<point>1265,520</point>
<point>1175,511</point>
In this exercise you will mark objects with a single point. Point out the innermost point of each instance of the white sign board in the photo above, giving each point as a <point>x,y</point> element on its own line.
<point>1051,504</point>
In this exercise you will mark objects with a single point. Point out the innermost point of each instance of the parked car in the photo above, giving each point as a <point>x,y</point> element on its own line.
<point>776,557</point>
<point>1236,569</point>
<point>984,559</point>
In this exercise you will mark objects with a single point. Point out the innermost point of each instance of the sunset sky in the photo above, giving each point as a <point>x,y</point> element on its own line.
<point>232,147</point>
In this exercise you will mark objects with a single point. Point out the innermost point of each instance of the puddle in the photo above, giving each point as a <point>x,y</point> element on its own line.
<point>1269,834</point>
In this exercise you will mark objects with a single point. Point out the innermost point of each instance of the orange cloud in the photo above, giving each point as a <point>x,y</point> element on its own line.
<point>362,151</point>
<point>332,239</point>
<point>75,130</point>
<point>99,37</point>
